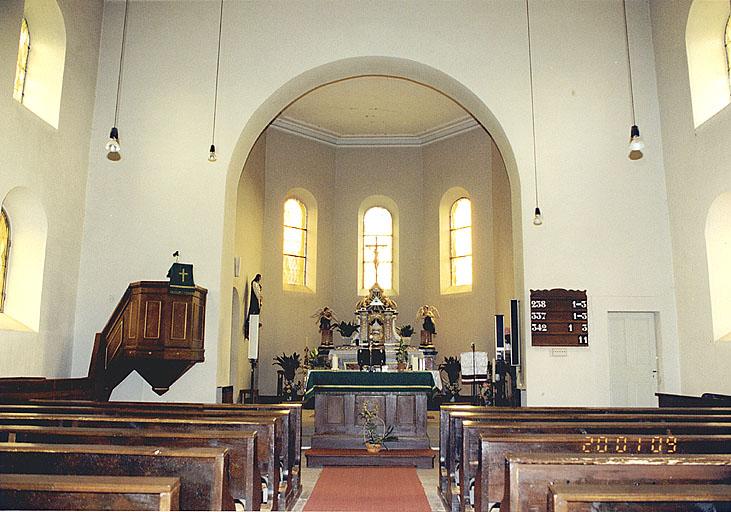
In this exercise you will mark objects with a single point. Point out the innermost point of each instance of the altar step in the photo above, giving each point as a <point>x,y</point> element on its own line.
<point>319,457</point>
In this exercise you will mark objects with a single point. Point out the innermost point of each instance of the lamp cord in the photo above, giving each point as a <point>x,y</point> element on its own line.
<point>218,62</point>
<point>121,62</point>
<point>532,103</point>
<point>629,63</point>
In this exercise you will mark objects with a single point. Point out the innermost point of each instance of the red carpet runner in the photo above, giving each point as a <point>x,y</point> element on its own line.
<point>368,488</point>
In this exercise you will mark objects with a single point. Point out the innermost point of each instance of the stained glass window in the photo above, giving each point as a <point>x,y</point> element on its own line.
<point>22,67</point>
<point>377,248</point>
<point>4,253</point>
<point>460,242</point>
<point>295,242</point>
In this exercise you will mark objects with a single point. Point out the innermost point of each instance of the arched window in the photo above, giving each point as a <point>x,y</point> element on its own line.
<point>460,242</point>
<point>21,69</point>
<point>707,48</point>
<point>718,252</point>
<point>377,250</point>
<point>4,254</point>
<point>295,243</point>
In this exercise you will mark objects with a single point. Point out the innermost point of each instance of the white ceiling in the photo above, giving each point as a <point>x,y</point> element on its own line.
<point>375,106</point>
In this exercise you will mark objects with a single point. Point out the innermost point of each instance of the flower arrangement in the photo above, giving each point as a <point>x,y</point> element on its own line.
<point>289,366</point>
<point>405,331</point>
<point>371,422</point>
<point>346,329</point>
<point>451,367</point>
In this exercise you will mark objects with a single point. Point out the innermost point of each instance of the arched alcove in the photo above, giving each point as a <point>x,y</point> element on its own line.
<point>46,61</point>
<point>345,69</point>
<point>707,64</point>
<point>718,252</point>
<point>27,257</point>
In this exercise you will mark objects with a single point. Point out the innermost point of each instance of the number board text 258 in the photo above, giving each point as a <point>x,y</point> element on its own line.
<point>559,318</point>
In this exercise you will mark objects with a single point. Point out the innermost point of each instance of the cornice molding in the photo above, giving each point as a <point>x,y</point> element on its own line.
<point>312,132</point>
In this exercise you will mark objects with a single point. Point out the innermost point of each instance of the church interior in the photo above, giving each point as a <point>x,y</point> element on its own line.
<point>303,221</point>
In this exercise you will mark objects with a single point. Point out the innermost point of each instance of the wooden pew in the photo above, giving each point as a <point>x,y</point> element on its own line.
<point>243,472</point>
<point>666,400</point>
<point>269,430</point>
<point>455,451</point>
<point>468,470</point>
<point>527,476</point>
<point>293,424</point>
<point>75,492</point>
<point>202,471</point>
<point>641,498</point>
<point>446,411</point>
<point>490,474</point>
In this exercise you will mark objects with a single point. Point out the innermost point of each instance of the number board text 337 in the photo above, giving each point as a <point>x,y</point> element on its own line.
<point>559,318</point>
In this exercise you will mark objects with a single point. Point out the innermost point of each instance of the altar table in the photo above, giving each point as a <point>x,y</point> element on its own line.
<point>401,399</point>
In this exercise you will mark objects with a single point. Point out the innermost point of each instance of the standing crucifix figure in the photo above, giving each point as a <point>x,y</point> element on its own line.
<point>375,248</point>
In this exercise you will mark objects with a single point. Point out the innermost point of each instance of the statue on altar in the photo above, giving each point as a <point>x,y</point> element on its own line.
<point>428,329</point>
<point>376,315</point>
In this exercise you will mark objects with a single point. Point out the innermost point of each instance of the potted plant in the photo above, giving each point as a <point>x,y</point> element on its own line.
<point>372,438</point>
<point>451,367</point>
<point>347,329</point>
<point>405,331</point>
<point>289,366</point>
<point>402,355</point>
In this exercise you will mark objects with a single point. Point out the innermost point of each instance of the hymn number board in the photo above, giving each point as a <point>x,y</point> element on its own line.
<point>559,318</point>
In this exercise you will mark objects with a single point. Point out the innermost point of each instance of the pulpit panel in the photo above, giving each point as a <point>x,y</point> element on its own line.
<point>179,321</point>
<point>153,318</point>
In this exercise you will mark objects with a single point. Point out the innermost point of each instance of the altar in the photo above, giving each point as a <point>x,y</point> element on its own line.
<point>400,398</point>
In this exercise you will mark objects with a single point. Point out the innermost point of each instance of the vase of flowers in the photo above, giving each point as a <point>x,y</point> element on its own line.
<point>451,367</point>
<point>375,432</point>
<point>289,366</point>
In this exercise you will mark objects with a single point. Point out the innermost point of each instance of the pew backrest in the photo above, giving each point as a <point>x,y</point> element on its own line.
<point>528,476</point>
<point>202,471</point>
<point>85,492</point>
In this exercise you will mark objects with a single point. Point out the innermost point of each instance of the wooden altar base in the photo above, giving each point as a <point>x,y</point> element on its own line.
<point>319,457</point>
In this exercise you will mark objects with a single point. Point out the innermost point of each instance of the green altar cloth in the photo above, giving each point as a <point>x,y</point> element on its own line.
<point>352,381</point>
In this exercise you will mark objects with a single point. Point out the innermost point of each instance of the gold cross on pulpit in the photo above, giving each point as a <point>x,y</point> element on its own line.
<point>183,274</point>
<point>375,256</point>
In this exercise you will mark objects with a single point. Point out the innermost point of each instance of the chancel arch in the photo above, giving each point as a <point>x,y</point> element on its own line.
<point>337,208</point>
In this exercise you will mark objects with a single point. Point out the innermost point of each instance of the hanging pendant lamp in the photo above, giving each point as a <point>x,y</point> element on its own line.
<point>113,146</point>
<point>212,157</point>
<point>537,215</point>
<point>636,144</point>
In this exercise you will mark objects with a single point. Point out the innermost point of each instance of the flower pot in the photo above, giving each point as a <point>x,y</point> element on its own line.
<point>401,367</point>
<point>373,448</point>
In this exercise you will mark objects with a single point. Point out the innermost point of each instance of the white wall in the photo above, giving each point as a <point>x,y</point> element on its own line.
<point>52,165</point>
<point>606,218</point>
<point>696,162</point>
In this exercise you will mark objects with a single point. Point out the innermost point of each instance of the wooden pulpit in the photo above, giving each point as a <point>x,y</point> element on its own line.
<point>154,330</point>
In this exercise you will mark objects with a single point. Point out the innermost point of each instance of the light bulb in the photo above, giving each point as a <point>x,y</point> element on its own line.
<point>635,142</point>
<point>113,145</point>
<point>537,217</point>
<point>212,153</point>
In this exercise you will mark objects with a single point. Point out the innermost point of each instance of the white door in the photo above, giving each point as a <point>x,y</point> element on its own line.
<point>632,359</point>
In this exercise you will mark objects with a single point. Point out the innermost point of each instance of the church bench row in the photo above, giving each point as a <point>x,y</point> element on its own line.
<point>446,410</point>
<point>467,469</point>
<point>293,424</point>
<point>242,472</point>
<point>451,429</point>
<point>489,473</point>
<point>528,476</point>
<point>667,400</point>
<point>202,471</point>
<point>83,492</point>
<point>642,498</point>
<point>294,409</point>
<point>462,447</point>
<point>447,442</point>
<point>270,438</point>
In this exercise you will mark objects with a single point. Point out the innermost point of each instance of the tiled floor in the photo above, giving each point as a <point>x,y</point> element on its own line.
<point>428,477</point>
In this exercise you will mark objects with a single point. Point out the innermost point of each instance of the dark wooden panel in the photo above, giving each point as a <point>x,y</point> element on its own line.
<point>153,319</point>
<point>179,321</point>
